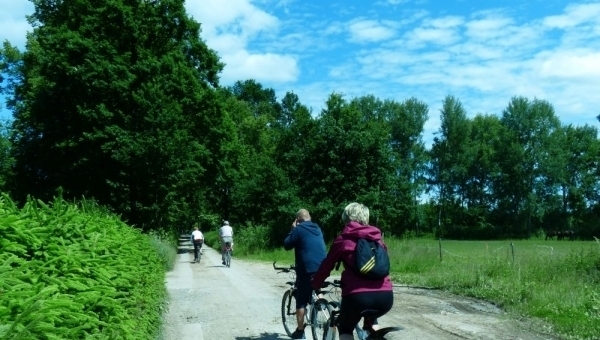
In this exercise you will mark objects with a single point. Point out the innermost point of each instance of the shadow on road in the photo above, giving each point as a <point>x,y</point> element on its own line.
<point>263,336</point>
<point>184,250</point>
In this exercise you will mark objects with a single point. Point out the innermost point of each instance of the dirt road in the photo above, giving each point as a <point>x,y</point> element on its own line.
<point>209,301</point>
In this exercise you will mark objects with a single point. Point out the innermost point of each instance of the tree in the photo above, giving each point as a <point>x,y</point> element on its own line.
<point>115,102</point>
<point>450,163</point>
<point>6,160</point>
<point>526,144</point>
<point>409,156</point>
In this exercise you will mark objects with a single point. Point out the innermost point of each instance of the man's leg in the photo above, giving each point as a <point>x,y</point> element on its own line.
<point>300,317</point>
<point>195,251</point>
<point>303,293</point>
<point>223,252</point>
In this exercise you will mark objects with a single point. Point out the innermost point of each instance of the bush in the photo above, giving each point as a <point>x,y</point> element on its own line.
<point>75,271</point>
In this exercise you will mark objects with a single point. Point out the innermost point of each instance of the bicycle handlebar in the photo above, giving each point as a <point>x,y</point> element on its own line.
<point>284,269</point>
<point>335,283</point>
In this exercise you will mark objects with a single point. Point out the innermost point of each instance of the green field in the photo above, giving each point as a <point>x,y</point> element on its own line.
<point>556,281</point>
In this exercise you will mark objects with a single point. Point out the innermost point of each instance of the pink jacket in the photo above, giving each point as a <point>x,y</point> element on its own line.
<point>342,249</point>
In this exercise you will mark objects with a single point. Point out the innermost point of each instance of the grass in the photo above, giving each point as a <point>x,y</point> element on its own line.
<point>556,281</point>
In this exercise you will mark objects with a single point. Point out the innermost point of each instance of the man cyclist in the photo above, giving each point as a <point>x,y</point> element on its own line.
<point>226,235</point>
<point>306,238</point>
<point>197,239</point>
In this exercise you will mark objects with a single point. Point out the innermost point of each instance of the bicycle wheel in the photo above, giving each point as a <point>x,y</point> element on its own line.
<point>326,333</point>
<point>228,259</point>
<point>288,312</point>
<point>320,313</point>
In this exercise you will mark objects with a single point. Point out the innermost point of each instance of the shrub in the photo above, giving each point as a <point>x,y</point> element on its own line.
<point>75,271</point>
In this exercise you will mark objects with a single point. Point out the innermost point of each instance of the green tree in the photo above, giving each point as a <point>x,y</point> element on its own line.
<point>526,144</point>
<point>113,99</point>
<point>449,166</point>
<point>575,172</point>
<point>486,131</point>
<point>409,156</point>
<point>6,160</point>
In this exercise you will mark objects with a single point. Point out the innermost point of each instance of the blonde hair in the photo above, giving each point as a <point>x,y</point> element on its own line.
<point>356,212</point>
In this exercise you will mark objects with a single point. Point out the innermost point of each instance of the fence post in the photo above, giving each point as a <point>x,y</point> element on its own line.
<point>512,249</point>
<point>440,242</point>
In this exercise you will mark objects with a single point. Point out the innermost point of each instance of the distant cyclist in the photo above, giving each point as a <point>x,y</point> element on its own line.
<point>226,235</point>
<point>197,239</point>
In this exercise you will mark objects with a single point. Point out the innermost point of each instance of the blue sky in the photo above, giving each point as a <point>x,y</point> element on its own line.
<point>482,52</point>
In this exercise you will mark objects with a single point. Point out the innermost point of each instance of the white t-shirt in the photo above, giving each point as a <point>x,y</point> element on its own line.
<point>226,231</point>
<point>197,235</point>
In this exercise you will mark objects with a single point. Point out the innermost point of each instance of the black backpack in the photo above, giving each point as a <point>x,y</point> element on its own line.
<point>372,260</point>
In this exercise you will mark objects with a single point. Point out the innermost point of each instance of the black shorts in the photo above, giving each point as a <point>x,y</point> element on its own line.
<point>303,290</point>
<point>354,304</point>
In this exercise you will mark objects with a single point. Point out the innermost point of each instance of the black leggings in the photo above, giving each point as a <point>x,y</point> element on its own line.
<point>354,304</point>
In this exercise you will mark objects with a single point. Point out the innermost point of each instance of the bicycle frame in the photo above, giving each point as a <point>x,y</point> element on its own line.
<point>312,313</point>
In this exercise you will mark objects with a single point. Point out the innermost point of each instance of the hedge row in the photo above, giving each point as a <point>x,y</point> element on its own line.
<point>75,271</point>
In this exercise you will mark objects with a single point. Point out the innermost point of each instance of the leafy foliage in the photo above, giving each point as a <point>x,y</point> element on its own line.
<point>115,103</point>
<point>75,271</point>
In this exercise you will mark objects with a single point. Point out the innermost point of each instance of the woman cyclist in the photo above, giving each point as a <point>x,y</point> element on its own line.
<point>358,293</point>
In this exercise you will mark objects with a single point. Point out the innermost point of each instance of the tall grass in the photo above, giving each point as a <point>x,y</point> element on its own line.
<point>556,281</point>
<point>165,244</point>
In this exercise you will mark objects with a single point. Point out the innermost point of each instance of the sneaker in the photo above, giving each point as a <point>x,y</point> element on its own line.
<point>223,263</point>
<point>298,334</point>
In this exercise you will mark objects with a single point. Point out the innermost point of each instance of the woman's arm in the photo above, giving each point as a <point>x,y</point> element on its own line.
<point>333,256</point>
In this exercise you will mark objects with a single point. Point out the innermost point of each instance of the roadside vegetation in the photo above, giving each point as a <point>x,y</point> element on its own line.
<point>76,271</point>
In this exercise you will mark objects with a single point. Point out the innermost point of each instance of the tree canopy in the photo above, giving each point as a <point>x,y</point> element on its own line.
<point>119,101</point>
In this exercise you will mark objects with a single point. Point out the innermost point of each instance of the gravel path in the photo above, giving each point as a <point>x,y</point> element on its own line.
<point>209,301</point>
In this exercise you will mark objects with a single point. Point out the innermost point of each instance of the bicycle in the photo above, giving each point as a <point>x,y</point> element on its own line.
<point>197,251</point>
<point>227,254</point>
<point>330,331</point>
<point>317,311</point>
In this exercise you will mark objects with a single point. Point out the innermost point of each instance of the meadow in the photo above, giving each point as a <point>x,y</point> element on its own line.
<point>554,281</point>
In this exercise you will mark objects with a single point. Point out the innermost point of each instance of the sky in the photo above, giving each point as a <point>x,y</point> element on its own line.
<point>483,52</point>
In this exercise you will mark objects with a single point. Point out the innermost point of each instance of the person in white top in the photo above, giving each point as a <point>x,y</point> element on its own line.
<point>197,239</point>
<point>226,235</point>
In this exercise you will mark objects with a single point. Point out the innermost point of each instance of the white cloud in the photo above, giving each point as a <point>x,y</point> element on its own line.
<point>574,15</point>
<point>229,27</point>
<point>370,30</point>
<point>436,31</point>
<point>574,64</point>
<point>445,22</point>
<point>421,37</point>
<point>265,67</point>
<point>487,28</point>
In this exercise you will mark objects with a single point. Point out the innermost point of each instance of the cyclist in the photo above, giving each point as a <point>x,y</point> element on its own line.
<point>358,293</point>
<point>197,239</point>
<point>306,238</point>
<point>226,235</point>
